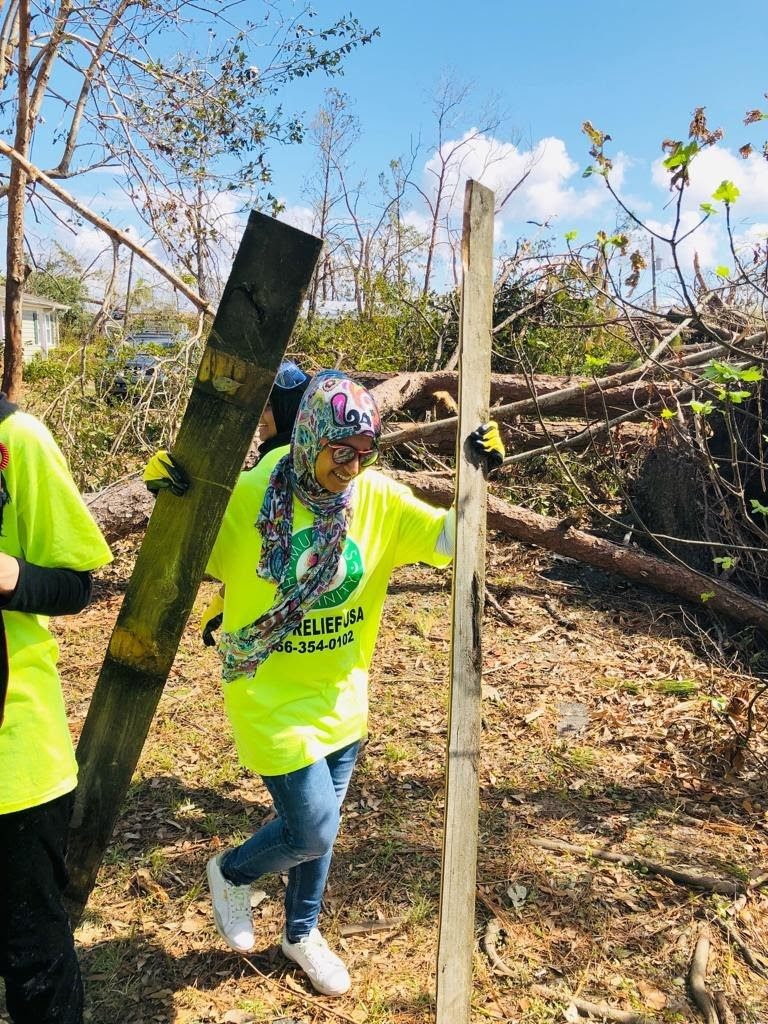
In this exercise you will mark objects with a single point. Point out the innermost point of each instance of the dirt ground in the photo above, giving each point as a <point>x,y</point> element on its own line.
<point>603,727</point>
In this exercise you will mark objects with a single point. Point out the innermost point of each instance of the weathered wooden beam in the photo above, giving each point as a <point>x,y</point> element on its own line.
<point>249,335</point>
<point>462,792</point>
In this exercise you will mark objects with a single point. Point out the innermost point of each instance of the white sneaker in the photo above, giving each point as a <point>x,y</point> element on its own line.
<point>323,968</point>
<point>231,908</point>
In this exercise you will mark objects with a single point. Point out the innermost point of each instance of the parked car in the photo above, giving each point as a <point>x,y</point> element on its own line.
<point>144,339</point>
<point>146,351</point>
<point>135,374</point>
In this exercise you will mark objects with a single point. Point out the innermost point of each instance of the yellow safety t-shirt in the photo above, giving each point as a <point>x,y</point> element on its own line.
<point>310,697</point>
<point>46,523</point>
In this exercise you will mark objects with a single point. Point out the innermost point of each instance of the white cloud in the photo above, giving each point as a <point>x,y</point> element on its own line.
<point>716,164</point>
<point>298,216</point>
<point>707,170</point>
<point>548,192</point>
<point>707,241</point>
<point>754,235</point>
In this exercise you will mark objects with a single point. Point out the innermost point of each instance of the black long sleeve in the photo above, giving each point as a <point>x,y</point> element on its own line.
<point>44,591</point>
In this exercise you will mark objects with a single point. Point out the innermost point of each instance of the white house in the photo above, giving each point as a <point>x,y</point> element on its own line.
<point>40,323</point>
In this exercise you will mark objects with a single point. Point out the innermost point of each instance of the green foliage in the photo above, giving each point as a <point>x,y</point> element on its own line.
<point>619,241</point>
<point>724,376</point>
<point>553,333</point>
<point>681,155</point>
<point>198,108</point>
<point>725,561</point>
<point>725,373</point>
<point>389,339</point>
<point>101,440</point>
<point>726,192</point>
<point>59,277</point>
<point>701,408</point>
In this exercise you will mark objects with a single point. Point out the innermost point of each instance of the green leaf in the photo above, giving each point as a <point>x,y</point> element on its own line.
<point>752,373</point>
<point>588,172</point>
<point>726,192</point>
<point>701,408</point>
<point>722,271</point>
<point>681,156</point>
<point>727,373</point>
<point>708,209</point>
<point>570,235</point>
<point>758,508</point>
<point>707,595</point>
<point>668,414</point>
<point>737,397</point>
<point>725,562</point>
<point>595,362</point>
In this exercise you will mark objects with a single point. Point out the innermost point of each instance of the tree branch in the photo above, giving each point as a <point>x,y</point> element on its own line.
<point>35,174</point>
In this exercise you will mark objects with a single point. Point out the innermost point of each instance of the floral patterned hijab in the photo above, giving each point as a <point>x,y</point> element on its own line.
<point>333,408</point>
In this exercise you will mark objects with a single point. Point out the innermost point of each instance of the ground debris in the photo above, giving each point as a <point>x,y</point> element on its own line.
<point>645,774</point>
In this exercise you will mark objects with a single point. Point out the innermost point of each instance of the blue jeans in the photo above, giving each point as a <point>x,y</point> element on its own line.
<point>300,839</point>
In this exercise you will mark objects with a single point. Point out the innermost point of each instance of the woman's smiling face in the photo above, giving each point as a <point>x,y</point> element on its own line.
<point>336,477</point>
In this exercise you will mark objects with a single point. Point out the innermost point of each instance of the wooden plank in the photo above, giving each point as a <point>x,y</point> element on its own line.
<point>248,338</point>
<point>457,887</point>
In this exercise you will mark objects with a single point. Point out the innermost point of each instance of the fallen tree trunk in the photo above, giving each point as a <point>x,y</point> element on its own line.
<point>122,510</point>
<point>414,392</point>
<point>620,392</point>
<point>636,398</point>
<point>634,564</point>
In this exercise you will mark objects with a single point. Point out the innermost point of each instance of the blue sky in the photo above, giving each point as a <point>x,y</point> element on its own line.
<point>636,70</point>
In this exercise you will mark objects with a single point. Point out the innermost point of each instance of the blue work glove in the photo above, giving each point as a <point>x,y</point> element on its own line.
<point>485,442</point>
<point>163,473</point>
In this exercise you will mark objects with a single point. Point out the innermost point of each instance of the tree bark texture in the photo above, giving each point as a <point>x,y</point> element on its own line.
<point>15,267</point>
<point>247,340</point>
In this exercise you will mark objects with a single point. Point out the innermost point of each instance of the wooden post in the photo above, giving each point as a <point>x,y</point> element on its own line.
<point>462,794</point>
<point>248,338</point>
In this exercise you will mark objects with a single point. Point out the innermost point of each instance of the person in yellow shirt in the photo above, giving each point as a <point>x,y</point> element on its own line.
<point>275,428</point>
<point>48,546</point>
<point>305,551</point>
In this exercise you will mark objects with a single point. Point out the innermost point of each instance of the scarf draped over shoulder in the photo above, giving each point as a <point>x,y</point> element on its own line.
<point>333,408</point>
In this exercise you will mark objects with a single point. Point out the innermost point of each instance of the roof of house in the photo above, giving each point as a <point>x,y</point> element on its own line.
<point>27,299</point>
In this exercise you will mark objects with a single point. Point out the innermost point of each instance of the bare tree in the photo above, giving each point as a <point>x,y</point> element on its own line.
<point>333,132</point>
<point>453,144</point>
<point>170,127</point>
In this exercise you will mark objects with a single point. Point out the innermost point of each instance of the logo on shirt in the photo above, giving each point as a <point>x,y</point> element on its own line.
<point>348,574</point>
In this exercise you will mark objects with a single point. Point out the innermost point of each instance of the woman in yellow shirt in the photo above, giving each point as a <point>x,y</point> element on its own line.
<point>305,551</point>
